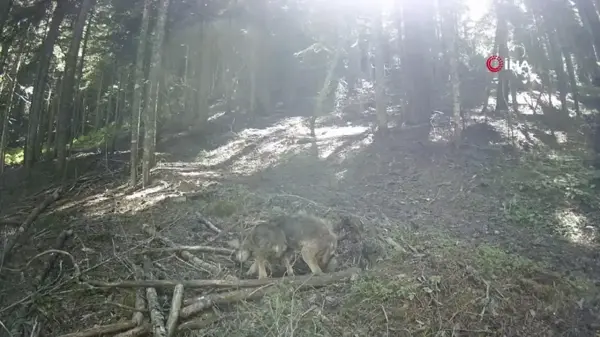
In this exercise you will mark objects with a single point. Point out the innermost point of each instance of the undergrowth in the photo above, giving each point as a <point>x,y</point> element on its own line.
<point>542,188</point>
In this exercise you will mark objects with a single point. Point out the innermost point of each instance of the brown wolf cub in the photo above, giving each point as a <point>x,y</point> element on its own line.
<point>265,243</point>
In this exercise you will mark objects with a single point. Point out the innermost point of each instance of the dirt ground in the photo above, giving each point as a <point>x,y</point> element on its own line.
<point>495,238</point>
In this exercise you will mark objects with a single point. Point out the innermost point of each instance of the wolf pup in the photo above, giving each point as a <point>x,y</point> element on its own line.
<point>312,236</point>
<point>265,243</point>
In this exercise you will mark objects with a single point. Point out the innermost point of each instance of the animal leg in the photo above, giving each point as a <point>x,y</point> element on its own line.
<point>311,260</point>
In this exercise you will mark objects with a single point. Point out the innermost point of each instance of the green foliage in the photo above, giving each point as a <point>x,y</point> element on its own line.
<point>95,138</point>
<point>541,186</point>
<point>14,156</point>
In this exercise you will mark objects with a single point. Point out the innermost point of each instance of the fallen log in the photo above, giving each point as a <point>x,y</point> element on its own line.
<point>175,309</point>
<point>24,228</point>
<point>203,249</point>
<point>141,330</point>
<point>307,280</point>
<point>156,317</point>
<point>102,330</point>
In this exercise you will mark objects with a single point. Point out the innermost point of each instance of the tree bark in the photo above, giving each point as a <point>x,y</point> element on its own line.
<point>136,113</point>
<point>150,114</point>
<point>66,102</point>
<point>44,58</point>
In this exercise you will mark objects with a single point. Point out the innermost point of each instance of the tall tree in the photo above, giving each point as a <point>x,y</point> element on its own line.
<point>138,81</point>
<point>151,110</point>
<point>68,82</point>
<point>44,59</point>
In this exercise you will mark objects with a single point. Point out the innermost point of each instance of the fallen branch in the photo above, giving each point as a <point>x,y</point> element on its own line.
<point>102,330</point>
<point>204,302</point>
<point>24,228</point>
<point>308,280</point>
<point>59,245</point>
<point>25,311</point>
<point>141,330</point>
<point>204,249</point>
<point>175,308</point>
<point>140,303</point>
<point>207,223</point>
<point>194,260</point>
<point>198,323</point>
<point>156,317</point>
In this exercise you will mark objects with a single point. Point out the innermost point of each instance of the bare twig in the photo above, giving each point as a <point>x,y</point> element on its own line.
<point>141,330</point>
<point>204,249</point>
<point>24,228</point>
<point>207,223</point>
<point>215,270</point>
<point>76,272</point>
<point>60,243</point>
<point>140,304</point>
<point>199,323</point>
<point>175,308</point>
<point>156,317</point>
<point>102,330</point>
<point>310,280</point>
<point>205,302</point>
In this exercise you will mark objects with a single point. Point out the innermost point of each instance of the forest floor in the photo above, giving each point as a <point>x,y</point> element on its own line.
<point>487,240</point>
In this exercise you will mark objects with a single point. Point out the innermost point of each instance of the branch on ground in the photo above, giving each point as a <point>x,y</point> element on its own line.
<point>204,302</point>
<point>189,257</point>
<point>156,317</point>
<point>309,280</point>
<point>24,228</point>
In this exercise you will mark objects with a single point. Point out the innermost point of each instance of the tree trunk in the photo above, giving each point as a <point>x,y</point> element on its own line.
<point>150,113</point>
<point>78,111</point>
<point>66,102</point>
<point>98,112</point>
<point>52,112</point>
<point>591,22</point>
<point>5,6</point>
<point>44,58</point>
<point>418,23</point>
<point>136,113</point>
<point>454,77</point>
<point>117,113</point>
<point>502,37</point>
<point>8,110</point>
<point>380,97</point>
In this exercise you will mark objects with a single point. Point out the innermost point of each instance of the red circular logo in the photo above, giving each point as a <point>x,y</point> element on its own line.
<point>494,63</point>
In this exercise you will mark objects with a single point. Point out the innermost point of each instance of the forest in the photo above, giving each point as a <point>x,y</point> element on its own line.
<point>446,153</point>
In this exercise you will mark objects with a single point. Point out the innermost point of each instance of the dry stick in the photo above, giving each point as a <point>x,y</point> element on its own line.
<point>207,223</point>
<point>102,330</point>
<point>58,246</point>
<point>310,280</point>
<point>136,332</point>
<point>204,249</point>
<point>156,317</point>
<point>184,254</point>
<point>198,323</point>
<point>24,228</point>
<point>204,302</point>
<point>175,307</point>
<point>60,243</point>
<point>140,304</point>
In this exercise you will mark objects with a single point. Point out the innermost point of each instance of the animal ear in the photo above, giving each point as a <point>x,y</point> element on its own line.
<point>235,243</point>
